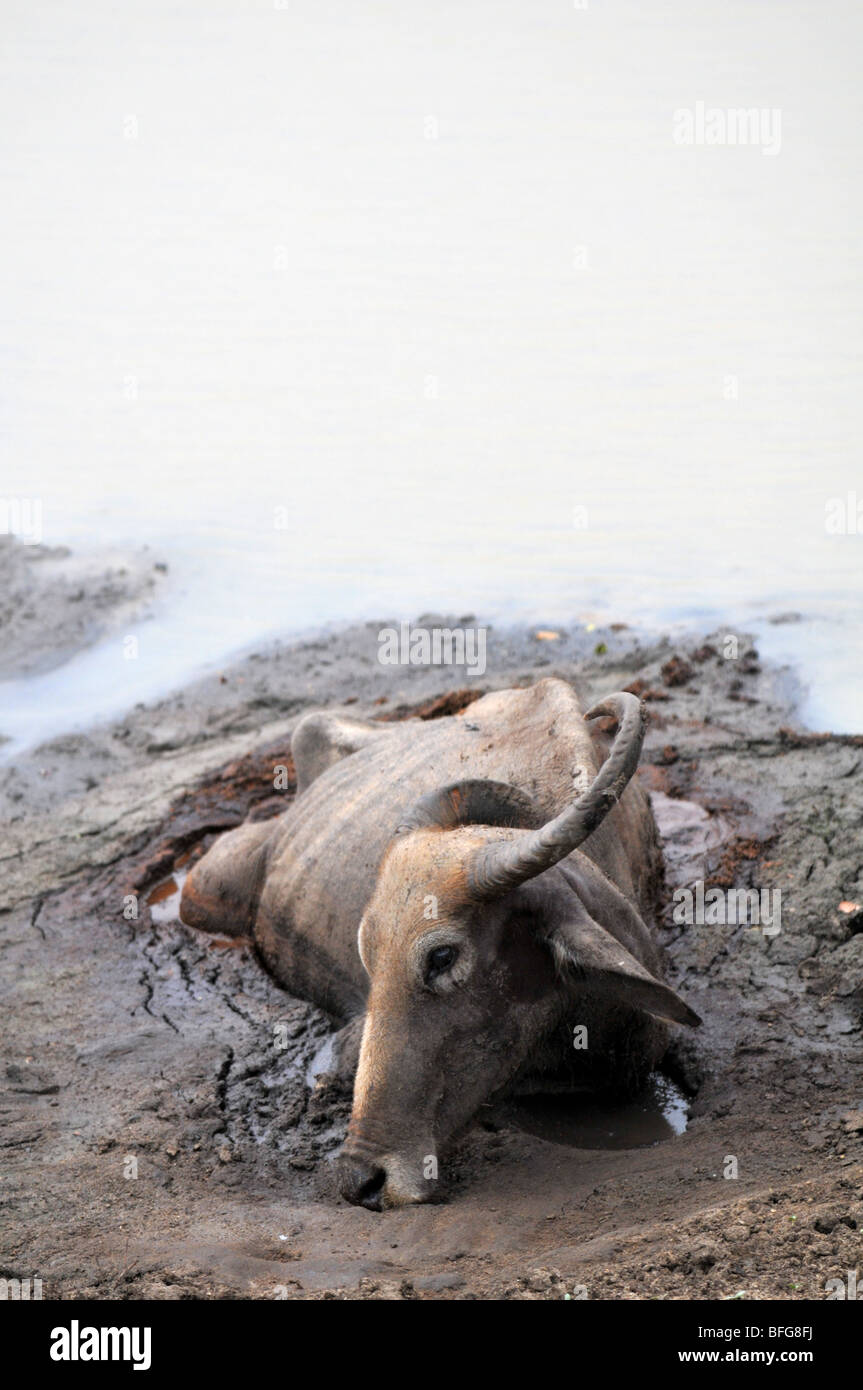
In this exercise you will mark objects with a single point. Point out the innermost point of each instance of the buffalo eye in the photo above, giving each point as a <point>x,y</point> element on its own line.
<point>440,959</point>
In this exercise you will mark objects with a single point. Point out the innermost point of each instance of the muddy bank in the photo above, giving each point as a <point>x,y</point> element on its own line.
<point>165,1133</point>
<point>54,603</point>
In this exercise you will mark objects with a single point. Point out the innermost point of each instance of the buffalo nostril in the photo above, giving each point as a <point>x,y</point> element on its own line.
<point>371,1191</point>
<point>362,1183</point>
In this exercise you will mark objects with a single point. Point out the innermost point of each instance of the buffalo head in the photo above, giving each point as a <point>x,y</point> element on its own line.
<point>485,941</point>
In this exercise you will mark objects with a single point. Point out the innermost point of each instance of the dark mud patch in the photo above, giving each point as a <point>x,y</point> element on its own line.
<point>453,702</point>
<point>654,1117</point>
<point>170,1122</point>
<point>256,787</point>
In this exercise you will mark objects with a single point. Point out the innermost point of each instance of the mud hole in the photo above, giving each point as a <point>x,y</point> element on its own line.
<point>169,1125</point>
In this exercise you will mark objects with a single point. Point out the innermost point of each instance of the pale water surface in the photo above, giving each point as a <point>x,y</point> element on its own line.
<point>360,310</point>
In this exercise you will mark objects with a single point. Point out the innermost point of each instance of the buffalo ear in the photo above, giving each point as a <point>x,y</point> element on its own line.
<point>472,803</point>
<point>581,943</point>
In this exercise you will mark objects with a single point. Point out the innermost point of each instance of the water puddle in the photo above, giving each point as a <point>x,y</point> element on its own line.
<point>658,1114</point>
<point>164,900</point>
<point>164,905</point>
<point>689,834</point>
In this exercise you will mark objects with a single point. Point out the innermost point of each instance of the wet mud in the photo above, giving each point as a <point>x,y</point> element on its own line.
<point>169,1122</point>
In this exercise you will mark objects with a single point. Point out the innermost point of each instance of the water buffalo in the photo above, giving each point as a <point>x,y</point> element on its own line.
<point>461,894</point>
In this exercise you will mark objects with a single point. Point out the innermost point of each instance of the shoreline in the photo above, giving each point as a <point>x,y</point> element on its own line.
<point>68,624</point>
<point>56,603</point>
<point>339,668</point>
